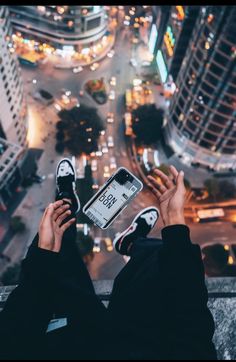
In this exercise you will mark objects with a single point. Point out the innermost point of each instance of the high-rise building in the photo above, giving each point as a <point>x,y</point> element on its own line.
<point>13,112</point>
<point>13,115</point>
<point>201,124</point>
<point>62,27</point>
<point>169,36</point>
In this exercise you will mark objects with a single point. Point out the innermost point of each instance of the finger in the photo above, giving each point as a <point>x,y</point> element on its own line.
<point>158,186</point>
<point>165,179</point>
<point>154,190</point>
<point>60,211</point>
<point>174,173</point>
<point>57,204</point>
<point>65,226</point>
<point>48,211</point>
<point>62,217</point>
<point>180,181</point>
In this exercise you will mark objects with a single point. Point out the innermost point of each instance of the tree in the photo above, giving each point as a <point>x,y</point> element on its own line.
<point>17,225</point>
<point>11,275</point>
<point>147,123</point>
<point>60,147</point>
<point>220,190</point>
<point>227,189</point>
<point>212,187</point>
<point>82,130</point>
<point>85,243</point>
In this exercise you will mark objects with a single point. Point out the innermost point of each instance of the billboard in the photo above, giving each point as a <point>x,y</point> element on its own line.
<point>153,38</point>
<point>162,68</point>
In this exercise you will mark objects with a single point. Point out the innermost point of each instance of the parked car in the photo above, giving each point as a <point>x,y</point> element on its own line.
<point>110,142</point>
<point>104,147</point>
<point>110,117</point>
<point>133,62</point>
<point>109,244</point>
<point>97,245</point>
<point>44,96</point>
<point>112,95</point>
<point>106,173</point>
<point>111,53</point>
<point>94,165</point>
<point>77,69</point>
<point>219,259</point>
<point>113,165</point>
<point>94,66</point>
<point>113,81</point>
<point>99,151</point>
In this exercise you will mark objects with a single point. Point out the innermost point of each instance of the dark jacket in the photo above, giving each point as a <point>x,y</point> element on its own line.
<point>158,309</point>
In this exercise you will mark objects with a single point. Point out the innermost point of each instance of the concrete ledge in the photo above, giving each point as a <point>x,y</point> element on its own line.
<point>222,303</point>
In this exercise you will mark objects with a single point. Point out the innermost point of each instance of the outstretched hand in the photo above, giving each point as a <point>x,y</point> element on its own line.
<point>51,228</point>
<point>170,195</point>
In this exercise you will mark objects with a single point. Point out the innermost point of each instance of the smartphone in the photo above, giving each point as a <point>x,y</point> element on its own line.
<point>104,207</point>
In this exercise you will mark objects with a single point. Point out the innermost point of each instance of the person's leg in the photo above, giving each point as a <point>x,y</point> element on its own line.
<point>135,236</point>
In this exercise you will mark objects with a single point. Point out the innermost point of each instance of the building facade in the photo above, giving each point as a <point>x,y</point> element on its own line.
<point>13,115</point>
<point>13,112</point>
<point>172,30</point>
<point>63,27</point>
<point>201,124</point>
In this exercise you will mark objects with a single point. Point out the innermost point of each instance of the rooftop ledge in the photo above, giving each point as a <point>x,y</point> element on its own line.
<point>222,303</point>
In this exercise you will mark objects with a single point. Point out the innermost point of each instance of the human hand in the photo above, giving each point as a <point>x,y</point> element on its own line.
<point>51,229</point>
<point>170,195</point>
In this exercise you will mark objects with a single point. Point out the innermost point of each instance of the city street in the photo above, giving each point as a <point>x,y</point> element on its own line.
<point>42,120</point>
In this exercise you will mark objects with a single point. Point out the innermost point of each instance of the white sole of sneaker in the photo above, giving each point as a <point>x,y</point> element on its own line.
<point>128,231</point>
<point>73,185</point>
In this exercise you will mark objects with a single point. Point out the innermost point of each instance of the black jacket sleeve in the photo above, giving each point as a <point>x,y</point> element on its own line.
<point>28,310</point>
<point>189,325</point>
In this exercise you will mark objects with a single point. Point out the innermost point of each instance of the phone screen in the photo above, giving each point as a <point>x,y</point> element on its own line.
<point>111,201</point>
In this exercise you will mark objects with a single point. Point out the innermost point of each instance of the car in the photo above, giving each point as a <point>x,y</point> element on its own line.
<point>111,53</point>
<point>94,66</point>
<point>66,92</point>
<point>104,147</point>
<point>94,165</point>
<point>109,244</point>
<point>58,107</point>
<point>145,64</point>
<point>133,62</point>
<point>113,165</point>
<point>135,40</point>
<point>65,99</point>
<point>219,259</point>
<point>77,69</point>
<point>113,81</point>
<point>95,185</point>
<point>110,117</point>
<point>97,245</point>
<point>99,151</point>
<point>112,95</point>
<point>43,96</point>
<point>106,173</point>
<point>110,142</point>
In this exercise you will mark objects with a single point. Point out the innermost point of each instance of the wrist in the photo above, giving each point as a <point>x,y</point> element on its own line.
<point>175,218</point>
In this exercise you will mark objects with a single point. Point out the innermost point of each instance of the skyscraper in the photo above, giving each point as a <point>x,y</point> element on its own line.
<point>202,116</point>
<point>60,26</point>
<point>13,114</point>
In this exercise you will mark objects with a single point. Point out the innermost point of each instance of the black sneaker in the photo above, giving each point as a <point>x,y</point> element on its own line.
<point>65,179</point>
<point>141,226</point>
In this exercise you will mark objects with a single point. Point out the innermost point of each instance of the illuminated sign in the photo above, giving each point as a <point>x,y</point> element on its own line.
<point>180,12</point>
<point>169,41</point>
<point>153,38</point>
<point>161,66</point>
